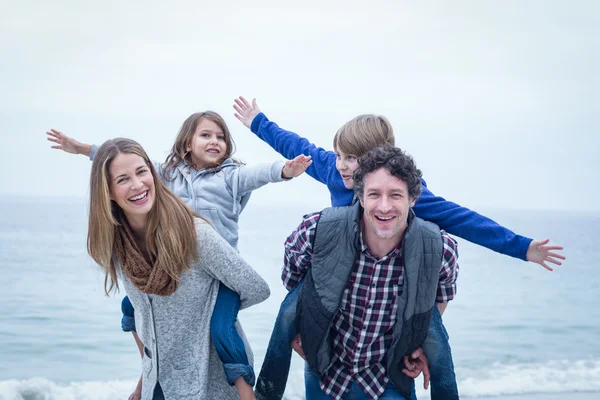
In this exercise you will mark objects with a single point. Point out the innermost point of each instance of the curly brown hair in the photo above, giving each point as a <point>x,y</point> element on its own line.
<point>400,165</point>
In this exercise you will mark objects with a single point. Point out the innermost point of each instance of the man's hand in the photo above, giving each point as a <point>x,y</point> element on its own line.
<point>245,111</point>
<point>295,167</point>
<point>538,252</point>
<point>416,363</point>
<point>296,344</point>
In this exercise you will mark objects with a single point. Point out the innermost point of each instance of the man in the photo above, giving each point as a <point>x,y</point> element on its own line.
<point>372,274</point>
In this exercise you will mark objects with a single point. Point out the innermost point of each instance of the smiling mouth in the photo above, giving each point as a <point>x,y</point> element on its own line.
<point>139,197</point>
<point>384,219</point>
<point>213,151</point>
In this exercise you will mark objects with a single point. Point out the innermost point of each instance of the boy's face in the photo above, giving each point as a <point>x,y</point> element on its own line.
<point>346,164</point>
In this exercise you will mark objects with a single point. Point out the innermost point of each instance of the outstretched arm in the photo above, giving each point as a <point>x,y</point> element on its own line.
<point>250,178</point>
<point>481,230</point>
<point>68,144</point>
<point>286,143</point>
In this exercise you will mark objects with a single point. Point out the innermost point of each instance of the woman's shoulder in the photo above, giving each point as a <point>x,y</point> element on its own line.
<point>205,232</point>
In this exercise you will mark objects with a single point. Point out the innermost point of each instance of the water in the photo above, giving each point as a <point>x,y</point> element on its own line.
<point>515,328</point>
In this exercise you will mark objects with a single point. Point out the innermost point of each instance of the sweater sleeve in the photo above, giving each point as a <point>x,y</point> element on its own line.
<point>290,145</point>
<point>469,225</point>
<point>253,177</point>
<point>224,263</point>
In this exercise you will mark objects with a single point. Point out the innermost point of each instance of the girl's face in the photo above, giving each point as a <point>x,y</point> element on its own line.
<point>132,187</point>
<point>208,146</point>
<point>346,164</point>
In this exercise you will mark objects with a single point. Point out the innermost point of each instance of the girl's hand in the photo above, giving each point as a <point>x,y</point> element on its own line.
<point>295,167</point>
<point>245,111</point>
<point>64,142</point>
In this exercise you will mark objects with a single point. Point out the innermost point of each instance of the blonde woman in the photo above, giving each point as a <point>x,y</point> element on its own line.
<point>171,263</point>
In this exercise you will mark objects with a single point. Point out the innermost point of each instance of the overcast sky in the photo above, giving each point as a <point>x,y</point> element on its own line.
<point>497,101</point>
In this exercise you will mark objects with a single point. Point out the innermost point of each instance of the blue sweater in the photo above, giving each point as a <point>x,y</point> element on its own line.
<point>451,217</point>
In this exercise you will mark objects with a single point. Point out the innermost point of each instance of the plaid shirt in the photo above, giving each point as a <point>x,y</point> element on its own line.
<point>362,328</point>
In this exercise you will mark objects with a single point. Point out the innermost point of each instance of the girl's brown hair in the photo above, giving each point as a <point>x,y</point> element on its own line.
<point>179,152</point>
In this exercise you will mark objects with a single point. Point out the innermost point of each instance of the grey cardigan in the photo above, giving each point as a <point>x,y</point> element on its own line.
<point>175,329</point>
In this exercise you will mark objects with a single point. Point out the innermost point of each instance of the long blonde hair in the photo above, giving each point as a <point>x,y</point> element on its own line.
<point>179,152</point>
<point>170,233</point>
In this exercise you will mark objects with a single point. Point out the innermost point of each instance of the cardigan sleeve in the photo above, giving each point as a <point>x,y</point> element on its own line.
<point>222,262</point>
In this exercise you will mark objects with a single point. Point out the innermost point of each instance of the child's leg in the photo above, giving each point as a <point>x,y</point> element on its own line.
<point>438,352</point>
<point>230,346</point>
<point>276,367</point>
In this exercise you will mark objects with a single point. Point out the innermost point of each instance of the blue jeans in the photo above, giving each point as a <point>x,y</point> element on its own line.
<point>276,366</point>
<point>128,319</point>
<point>438,352</point>
<point>314,392</point>
<point>230,346</point>
<point>158,393</point>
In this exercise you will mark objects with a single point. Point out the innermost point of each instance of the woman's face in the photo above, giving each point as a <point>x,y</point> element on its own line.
<point>132,187</point>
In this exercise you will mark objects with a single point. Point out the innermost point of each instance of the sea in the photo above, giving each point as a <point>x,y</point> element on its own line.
<point>517,331</point>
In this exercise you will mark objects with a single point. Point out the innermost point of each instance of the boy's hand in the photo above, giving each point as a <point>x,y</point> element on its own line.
<point>245,111</point>
<point>539,253</point>
<point>295,167</point>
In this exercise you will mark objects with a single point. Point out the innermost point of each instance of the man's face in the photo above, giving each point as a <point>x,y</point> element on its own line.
<point>386,204</point>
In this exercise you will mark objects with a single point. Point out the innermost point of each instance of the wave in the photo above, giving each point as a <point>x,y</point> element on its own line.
<point>44,389</point>
<point>558,376</point>
<point>497,380</point>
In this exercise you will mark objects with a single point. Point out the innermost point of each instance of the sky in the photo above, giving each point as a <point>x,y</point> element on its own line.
<point>498,102</point>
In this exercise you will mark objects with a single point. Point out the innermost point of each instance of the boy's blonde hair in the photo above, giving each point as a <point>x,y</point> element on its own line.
<point>363,133</point>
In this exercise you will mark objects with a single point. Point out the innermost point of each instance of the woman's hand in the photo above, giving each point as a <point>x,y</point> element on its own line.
<point>67,144</point>
<point>245,111</point>
<point>137,394</point>
<point>295,167</point>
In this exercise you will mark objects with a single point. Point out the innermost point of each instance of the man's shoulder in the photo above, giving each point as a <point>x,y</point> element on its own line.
<point>339,213</point>
<point>450,246</point>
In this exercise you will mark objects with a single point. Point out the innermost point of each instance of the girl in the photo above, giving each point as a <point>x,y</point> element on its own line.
<point>201,172</point>
<point>335,169</point>
<point>170,262</point>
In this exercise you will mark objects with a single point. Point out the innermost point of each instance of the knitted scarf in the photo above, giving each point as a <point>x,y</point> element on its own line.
<point>148,279</point>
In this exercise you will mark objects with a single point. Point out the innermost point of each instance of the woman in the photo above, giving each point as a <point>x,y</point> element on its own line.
<point>170,262</point>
